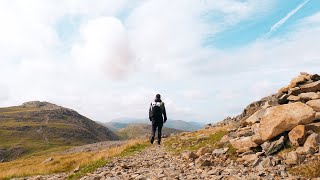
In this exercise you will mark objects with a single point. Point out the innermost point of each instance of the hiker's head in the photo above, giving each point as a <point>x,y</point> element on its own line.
<point>158,96</point>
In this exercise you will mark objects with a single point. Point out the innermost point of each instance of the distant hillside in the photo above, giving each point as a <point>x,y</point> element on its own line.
<point>175,124</point>
<point>36,126</point>
<point>114,126</point>
<point>140,130</point>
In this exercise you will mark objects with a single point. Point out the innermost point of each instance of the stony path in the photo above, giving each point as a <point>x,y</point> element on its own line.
<point>157,163</point>
<point>153,163</point>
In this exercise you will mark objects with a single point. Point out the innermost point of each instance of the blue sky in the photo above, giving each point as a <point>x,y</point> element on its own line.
<point>108,59</point>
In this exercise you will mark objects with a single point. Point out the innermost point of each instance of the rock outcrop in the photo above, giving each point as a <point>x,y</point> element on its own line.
<point>289,118</point>
<point>279,119</point>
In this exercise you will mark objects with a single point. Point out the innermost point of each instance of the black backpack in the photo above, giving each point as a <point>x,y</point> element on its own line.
<point>156,110</point>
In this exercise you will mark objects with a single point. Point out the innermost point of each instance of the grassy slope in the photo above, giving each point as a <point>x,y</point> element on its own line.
<point>27,129</point>
<point>12,135</point>
<point>87,161</point>
<point>195,140</point>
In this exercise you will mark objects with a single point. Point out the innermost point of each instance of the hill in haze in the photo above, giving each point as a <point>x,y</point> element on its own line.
<point>37,126</point>
<point>133,131</point>
<point>175,124</point>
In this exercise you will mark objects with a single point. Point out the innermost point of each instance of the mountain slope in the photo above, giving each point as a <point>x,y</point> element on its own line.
<point>175,124</point>
<point>140,130</point>
<point>36,126</point>
<point>114,126</point>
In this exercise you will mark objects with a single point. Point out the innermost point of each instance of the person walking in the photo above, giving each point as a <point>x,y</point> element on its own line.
<point>158,116</point>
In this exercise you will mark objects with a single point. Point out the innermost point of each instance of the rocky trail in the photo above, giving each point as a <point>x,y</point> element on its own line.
<point>157,163</point>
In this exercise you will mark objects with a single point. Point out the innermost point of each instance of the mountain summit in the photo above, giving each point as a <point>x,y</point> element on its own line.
<point>35,126</point>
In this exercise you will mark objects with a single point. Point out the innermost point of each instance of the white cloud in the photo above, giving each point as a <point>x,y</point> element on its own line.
<point>104,46</point>
<point>158,41</point>
<point>167,36</point>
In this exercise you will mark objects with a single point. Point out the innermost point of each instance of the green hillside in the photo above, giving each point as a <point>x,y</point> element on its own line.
<point>38,126</point>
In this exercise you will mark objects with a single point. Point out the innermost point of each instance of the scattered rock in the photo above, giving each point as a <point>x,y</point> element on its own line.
<point>255,118</point>
<point>243,142</point>
<point>265,163</point>
<point>77,169</point>
<point>257,139</point>
<point>294,98</point>
<point>226,138</point>
<point>298,80</point>
<point>309,96</point>
<point>271,147</point>
<point>311,87</point>
<point>220,151</point>
<point>249,157</point>
<point>203,162</point>
<point>282,118</point>
<point>47,160</point>
<point>284,90</point>
<point>312,142</point>
<point>315,127</point>
<point>315,77</point>
<point>294,91</point>
<point>189,155</point>
<point>297,135</point>
<point>315,104</point>
<point>203,150</point>
<point>283,99</point>
<point>293,158</point>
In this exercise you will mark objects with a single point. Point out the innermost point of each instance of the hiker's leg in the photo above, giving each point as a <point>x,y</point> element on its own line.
<point>153,132</point>
<point>159,132</point>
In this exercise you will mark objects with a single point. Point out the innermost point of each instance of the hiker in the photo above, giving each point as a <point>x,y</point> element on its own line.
<point>156,111</point>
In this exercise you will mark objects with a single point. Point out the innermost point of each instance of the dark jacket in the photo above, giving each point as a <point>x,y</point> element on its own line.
<point>163,109</point>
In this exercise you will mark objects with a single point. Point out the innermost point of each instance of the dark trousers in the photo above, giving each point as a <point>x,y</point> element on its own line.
<point>156,124</point>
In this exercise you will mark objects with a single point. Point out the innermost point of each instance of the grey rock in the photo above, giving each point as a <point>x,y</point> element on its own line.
<point>271,147</point>
<point>47,160</point>
<point>220,151</point>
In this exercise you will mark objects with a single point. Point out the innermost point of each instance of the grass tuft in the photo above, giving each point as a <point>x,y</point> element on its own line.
<point>309,170</point>
<point>195,140</point>
<point>89,168</point>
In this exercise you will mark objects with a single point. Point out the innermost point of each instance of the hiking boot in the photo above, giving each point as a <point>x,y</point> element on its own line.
<point>152,140</point>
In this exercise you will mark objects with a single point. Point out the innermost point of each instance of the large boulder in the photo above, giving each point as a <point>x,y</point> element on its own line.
<point>297,135</point>
<point>294,91</point>
<point>255,118</point>
<point>298,80</point>
<point>309,96</point>
<point>311,144</point>
<point>311,87</point>
<point>293,98</point>
<point>243,142</point>
<point>315,104</point>
<point>279,119</point>
<point>312,141</point>
<point>284,90</point>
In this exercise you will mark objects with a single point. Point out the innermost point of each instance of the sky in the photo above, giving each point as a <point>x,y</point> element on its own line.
<point>108,59</point>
